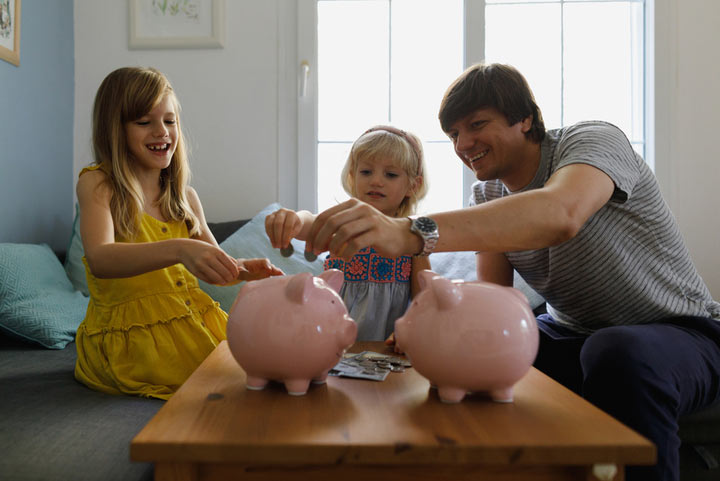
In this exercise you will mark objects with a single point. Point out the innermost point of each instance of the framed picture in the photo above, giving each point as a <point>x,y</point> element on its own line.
<point>177,23</point>
<point>10,31</point>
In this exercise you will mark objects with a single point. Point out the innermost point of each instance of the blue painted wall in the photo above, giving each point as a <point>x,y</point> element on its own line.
<point>36,128</point>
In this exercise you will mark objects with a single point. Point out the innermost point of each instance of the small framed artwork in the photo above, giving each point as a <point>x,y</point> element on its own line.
<point>10,31</point>
<point>177,24</point>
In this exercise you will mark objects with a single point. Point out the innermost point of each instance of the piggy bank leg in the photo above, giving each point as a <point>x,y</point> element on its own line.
<point>297,387</point>
<point>321,379</point>
<point>256,383</point>
<point>451,395</point>
<point>502,395</point>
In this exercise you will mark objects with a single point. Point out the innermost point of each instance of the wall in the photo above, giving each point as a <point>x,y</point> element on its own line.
<point>229,98</point>
<point>686,106</point>
<point>239,108</point>
<point>36,131</point>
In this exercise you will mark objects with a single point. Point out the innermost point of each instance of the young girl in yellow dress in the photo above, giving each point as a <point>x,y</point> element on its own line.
<point>148,324</point>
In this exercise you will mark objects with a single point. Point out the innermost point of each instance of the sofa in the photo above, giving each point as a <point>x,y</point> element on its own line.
<point>54,428</point>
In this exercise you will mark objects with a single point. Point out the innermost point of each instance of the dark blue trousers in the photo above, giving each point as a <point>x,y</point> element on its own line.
<point>646,376</point>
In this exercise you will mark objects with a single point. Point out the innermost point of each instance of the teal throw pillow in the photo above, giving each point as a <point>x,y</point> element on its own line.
<point>37,301</point>
<point>251,241</point>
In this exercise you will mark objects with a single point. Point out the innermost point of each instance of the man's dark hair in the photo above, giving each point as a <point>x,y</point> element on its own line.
<point>496,86</point>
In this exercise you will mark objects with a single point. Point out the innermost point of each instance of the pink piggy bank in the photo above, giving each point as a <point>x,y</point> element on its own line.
<point>468,336</point>
<point>291,329</point>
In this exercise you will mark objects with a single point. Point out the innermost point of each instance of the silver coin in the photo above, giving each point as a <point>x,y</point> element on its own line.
<point>287,251</point>
<point>310,256</point>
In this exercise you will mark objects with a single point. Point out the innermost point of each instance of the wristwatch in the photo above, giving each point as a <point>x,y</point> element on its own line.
<point>427,229</point>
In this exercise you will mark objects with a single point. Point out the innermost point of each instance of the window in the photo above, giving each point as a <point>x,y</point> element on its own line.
<point>390,61</point>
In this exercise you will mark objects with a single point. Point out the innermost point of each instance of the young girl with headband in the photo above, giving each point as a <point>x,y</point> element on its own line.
<point>148,325</point>
<point>385,168</point>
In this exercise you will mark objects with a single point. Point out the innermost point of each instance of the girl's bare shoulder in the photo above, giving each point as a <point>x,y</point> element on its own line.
<point>93,182</point>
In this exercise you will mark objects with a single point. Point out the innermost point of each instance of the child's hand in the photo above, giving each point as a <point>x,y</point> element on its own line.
<point>390,341</point>
<point>281,226</point>
<point>208,262</point>
<point>254,269</point>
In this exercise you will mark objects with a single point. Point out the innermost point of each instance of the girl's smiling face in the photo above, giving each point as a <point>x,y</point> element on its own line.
<point>380,183</point>
<point>152,138</point>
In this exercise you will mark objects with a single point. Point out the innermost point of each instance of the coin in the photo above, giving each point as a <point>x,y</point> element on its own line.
<point>310,256</point>
<point>287,251</point>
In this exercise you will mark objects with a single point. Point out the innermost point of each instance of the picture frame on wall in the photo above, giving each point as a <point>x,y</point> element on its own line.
<point>10,31</point>
<point>177,24</point>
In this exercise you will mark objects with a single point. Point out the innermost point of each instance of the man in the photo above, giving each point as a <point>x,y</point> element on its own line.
<point>630,326</point>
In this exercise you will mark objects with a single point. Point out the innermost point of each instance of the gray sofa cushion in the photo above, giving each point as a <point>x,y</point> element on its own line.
<point>54,428</point>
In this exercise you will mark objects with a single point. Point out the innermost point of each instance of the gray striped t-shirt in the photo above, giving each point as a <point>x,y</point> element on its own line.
<point>628,264</point>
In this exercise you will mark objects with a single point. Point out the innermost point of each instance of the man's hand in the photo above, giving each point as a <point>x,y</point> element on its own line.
<point>353,225</point>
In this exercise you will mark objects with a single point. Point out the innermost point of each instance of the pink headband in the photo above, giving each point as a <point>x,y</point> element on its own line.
<point>400,133</point>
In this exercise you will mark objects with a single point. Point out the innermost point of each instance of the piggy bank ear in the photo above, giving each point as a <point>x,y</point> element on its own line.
<point>424,278</point>
<point>520,295</point>
<point>298,288</point>
<point>447,293</point>
<point>334,278</point>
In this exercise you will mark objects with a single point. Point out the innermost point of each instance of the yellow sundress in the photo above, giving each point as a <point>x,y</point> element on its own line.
<point>145,335</point>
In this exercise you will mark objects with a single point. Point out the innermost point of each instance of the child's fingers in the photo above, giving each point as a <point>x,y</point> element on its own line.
<point>223,270</point>
<point>271,228</point>
<point>258,268</point>
<point>289,227</point>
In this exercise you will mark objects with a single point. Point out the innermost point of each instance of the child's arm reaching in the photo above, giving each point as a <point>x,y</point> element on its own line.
<point>285,224</point>
<point>107,258</point>
<point>254,269</point>
<point>419,263</point>
<point>248,269</point>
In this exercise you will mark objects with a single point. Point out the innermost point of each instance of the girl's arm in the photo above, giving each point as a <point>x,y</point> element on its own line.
<point>206,234</point>
<point>109,259</point>
<point>419,263</point>
<point>285,224</point>
<point>494,267</point>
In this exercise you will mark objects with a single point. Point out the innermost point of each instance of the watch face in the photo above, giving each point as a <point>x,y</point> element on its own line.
<point>425,224</point>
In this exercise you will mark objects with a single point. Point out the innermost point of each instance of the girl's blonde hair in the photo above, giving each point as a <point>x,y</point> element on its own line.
<point>405,151</point>
<point>124,96</point>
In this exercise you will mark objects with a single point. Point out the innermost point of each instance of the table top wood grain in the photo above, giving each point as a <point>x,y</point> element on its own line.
<point>213,418</point>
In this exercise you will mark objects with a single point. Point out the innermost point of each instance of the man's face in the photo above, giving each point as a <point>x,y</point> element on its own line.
<point>490,147</point>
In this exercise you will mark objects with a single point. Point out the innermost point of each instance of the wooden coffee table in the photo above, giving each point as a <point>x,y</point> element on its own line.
<point>213,428</point>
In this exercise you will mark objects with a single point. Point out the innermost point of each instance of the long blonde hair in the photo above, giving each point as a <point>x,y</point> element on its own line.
<point>405,151</point>
<point>125,95</point>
